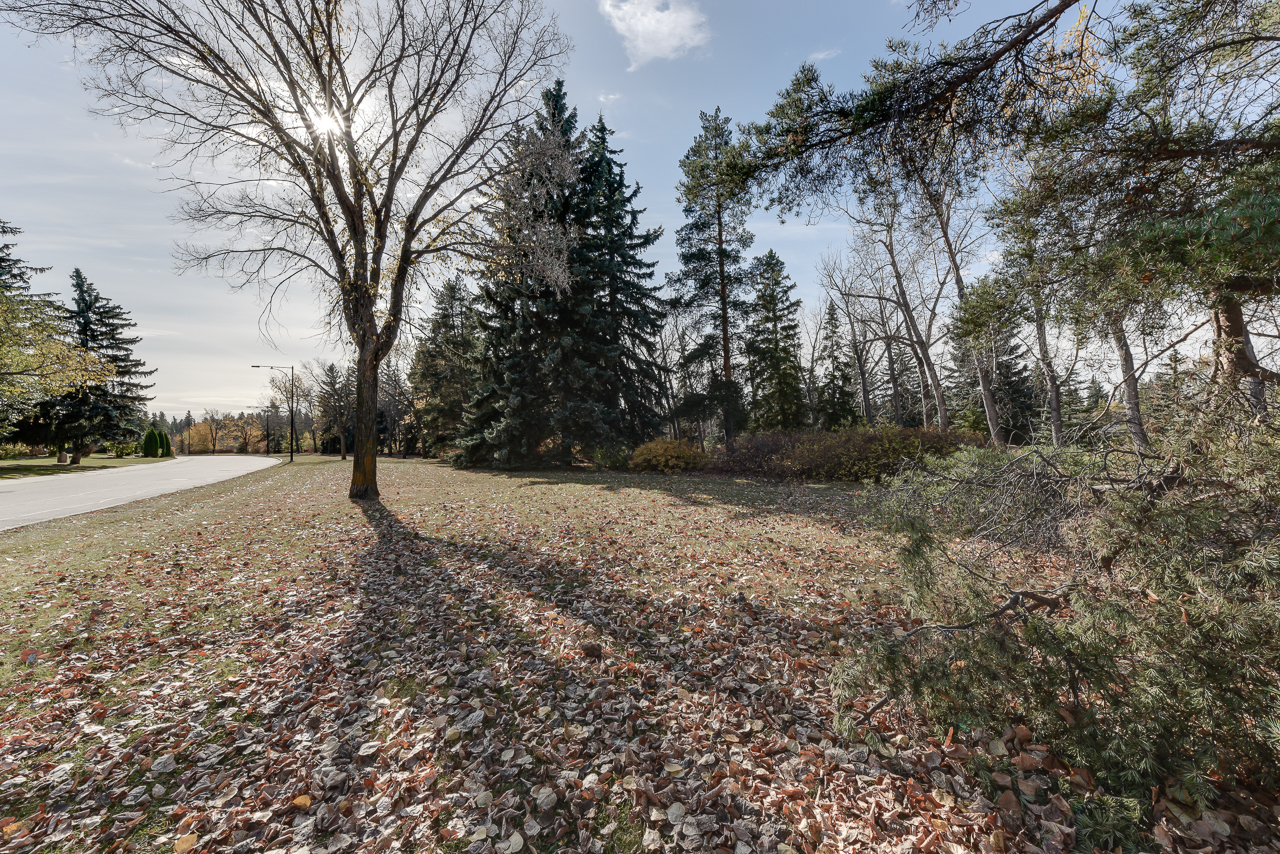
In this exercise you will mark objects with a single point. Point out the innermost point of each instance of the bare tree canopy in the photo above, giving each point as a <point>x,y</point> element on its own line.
<point>344,145</point>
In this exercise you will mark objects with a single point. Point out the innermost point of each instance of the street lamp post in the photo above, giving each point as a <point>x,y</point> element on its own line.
<point>293,437</point>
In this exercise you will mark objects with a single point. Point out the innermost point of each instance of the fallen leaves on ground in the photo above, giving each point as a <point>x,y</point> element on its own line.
<point>470,667</point>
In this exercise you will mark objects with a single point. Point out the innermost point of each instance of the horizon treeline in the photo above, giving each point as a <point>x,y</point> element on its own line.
<point>560,345</point>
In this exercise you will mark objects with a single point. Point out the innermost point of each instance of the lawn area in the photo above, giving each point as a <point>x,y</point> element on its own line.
<point>548,662</point>
<point>10,469</point>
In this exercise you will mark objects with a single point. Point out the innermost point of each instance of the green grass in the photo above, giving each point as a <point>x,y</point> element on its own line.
<point>39,466</point>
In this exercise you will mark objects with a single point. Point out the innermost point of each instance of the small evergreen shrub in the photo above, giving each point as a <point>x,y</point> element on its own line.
<point>151,444</point>
<point>668,456</point>
<point>166,446</point>
<point>616,458</point>
<point>846,455</point>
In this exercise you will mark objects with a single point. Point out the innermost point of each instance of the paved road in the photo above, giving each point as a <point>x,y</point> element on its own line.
<point>27,500</point>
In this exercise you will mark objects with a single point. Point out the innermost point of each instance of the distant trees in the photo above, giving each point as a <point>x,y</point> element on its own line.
<point>107,408</point>
<point>246,431</point>
<point>214,422</point>
<point>38,359</point>
<point>335,402</point>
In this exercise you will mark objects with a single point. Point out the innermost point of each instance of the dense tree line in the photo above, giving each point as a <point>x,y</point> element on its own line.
<point>557,345</point>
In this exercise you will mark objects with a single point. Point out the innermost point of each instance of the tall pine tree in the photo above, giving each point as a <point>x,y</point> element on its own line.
<point>711,282</point>
<point>773,347</point>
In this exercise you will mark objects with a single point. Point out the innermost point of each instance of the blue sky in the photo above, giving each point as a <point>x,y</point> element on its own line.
<point>86,194</point>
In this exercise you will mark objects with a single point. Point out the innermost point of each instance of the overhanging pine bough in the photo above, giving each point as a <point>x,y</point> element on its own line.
<point>357,138</point>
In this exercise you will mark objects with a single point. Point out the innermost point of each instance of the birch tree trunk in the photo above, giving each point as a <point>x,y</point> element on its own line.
<point>1050,373</point>
<point>1129,382</point>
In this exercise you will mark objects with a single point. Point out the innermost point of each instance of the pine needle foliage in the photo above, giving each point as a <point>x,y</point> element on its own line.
<point>1144,643</point>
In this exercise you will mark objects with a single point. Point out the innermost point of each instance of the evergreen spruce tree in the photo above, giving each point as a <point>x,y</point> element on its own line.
<point>711,282</point>
<point>441,374</point>
<point>15,274</point>
<point>773,347</point>
<point>101,411</point>
<point>837,398</point>
<point>1018,400</point>
<point>519,322</point>
<point>584,350</point>
<point>611,268</point>
<point>569,368</point>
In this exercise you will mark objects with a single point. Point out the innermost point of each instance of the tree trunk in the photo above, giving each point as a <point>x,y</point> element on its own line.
<point>1050,374</point>
<point>893,385</point>
<point>989,402</point>
<point>724,323</point>
<point>924,391</point>
<point>1236,356</point>
<point>1129,380</point>
<point>927,369</point>
<point>364,469</point>
<point>860,361</point>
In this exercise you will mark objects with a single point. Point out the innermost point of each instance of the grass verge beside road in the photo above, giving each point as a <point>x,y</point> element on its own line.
<point>10,469</point>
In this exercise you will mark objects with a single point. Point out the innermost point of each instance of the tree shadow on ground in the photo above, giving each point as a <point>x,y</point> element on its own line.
<point>572,663</point>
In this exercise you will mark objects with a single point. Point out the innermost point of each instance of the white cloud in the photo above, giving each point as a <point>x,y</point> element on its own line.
<point>609,99</point>
<point>656,29</point>
<point>823,54</point>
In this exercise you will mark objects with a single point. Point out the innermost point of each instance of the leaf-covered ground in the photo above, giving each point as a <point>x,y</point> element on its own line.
<point>479,662</point>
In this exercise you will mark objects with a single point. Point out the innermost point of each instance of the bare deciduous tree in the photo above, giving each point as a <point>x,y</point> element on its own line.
<point>341,144</point>
<point>215,418</point>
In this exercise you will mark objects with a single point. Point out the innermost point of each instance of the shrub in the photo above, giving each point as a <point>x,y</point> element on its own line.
<point>846,455</point>
<point>668,456</point>
<point>14,451</point>
<point>151,443</point>
<point>615,458</point>
<point>166,446</point>
<point>120,450</point>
